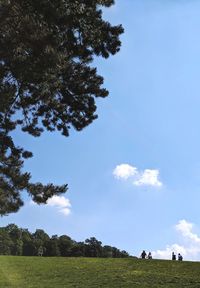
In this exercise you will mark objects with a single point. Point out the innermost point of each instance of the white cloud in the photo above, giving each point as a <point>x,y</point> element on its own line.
<point>60,202</point>
<point>124,171</point>
<point>63,204</point>
<point>167,252</point>
<point>148,177</point>
<point>65,211</point>
<point>185,228</point>
<point>189,246</point>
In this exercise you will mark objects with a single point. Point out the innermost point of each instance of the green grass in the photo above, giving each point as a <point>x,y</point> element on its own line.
<point>40,272</point>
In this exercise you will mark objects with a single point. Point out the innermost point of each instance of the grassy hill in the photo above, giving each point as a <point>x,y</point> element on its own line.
<point>40,272</point>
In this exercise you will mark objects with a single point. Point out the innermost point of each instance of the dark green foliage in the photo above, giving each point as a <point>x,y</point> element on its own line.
<point>65,244</point>
<point>15,235</point>
<point>28,244</point>
<point>40,240</point>
<point>46,80</point>
<point>52,246</point>
<point>5,242</point>
<point>78,249</point>
<point>18,241</point>
<point>93,247</point>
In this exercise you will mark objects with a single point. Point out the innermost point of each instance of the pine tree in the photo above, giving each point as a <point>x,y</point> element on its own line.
<point>46,80</point>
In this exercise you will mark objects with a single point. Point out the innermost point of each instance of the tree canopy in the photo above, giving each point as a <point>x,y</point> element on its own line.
<point>47,81</point>
<point>19,241</point>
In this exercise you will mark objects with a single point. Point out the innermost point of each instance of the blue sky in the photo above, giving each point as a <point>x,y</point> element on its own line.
<point>134,174</point>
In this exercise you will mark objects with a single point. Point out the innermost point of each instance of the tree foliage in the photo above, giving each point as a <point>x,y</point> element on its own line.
<point>47,81</point>
<point>18,241</point>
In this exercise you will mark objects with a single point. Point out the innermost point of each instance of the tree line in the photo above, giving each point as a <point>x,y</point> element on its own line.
<point>21,242</point>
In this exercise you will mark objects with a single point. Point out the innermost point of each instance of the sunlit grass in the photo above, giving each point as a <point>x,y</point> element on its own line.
<point>40,272</point>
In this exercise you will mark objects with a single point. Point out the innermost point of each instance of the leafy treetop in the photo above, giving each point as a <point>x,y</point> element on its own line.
<point>46,80</point>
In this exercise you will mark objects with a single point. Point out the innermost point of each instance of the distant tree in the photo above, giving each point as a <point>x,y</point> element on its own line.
<point>65,245</point>
<point>52,246</point>
<point>40,251</point>
<point>28,245</point>
<point>40,240</point>
<point>15,234</point>
<point>93,247</point>
<point>5,242</point>
<point>124,254</point>
<point>107,251</point>
<point>78,249</point>
<point>18,241</point>
<point>115,252</point>
<point>47,81</point>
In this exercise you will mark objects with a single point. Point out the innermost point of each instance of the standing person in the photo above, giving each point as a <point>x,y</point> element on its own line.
<point>149,256</point>
<point>143,254</point>
<point>173,256</point>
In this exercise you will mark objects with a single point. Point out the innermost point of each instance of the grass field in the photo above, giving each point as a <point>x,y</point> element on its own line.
<point>40,272</point>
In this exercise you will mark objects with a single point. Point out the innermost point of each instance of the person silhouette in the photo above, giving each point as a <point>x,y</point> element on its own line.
<point>149,255</point>
<point>180,257</point>
<point>173,256</point>
<point>143,254</point>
